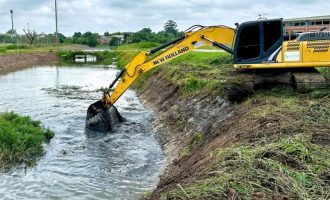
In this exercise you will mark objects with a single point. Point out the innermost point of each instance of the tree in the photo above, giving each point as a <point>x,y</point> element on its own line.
<point>145,34</point>
<point>87,34</point>
<point>77,35</point>
<point>114,42</point>
<point>11,31</point>
<point>92,41</point>
<point>106,34</point>
<point>61,38</point>
<point>171,27</point>
<point>31,35</point>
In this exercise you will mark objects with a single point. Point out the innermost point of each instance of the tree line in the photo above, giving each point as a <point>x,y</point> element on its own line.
<point>168,33</point>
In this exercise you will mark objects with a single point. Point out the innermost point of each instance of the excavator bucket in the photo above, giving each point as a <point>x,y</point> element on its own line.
<point>101,119</point>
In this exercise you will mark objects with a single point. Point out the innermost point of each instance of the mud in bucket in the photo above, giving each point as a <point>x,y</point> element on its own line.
<point>101,119</point>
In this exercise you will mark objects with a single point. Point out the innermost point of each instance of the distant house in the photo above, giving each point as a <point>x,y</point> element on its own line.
<point>306,24</point>
<point>120,37</point>
<point>104,40</point>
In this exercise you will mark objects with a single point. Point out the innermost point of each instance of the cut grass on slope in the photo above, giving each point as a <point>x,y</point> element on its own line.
<point>294,168</point>
<point>21,140</point>
<point>282,151</point>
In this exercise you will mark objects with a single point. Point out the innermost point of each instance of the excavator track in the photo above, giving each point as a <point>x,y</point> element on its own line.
<point>242,83</point>
<point>310,80</point>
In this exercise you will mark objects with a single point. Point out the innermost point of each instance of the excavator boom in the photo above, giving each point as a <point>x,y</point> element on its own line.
<point>195,37</point>
<point>205,36</point>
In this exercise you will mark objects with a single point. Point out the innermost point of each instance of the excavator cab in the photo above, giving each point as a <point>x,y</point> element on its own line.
<point>256,41</point>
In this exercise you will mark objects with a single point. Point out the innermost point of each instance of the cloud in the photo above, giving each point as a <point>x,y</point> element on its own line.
<point>131,15</point>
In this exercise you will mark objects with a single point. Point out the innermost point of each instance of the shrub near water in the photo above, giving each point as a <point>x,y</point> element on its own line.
<point>21,140</point>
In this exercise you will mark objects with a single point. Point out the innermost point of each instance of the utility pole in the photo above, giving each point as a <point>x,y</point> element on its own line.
<point>56,34</point>
<point>12,25</point>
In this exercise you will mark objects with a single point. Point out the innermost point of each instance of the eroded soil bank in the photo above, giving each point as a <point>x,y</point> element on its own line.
<point>13,62</point>
<point>262,135</point>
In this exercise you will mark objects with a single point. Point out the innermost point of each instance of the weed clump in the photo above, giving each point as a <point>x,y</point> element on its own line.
<point>21,140</point>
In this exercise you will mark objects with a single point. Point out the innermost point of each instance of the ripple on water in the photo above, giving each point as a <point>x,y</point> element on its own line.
<point>80,164</point>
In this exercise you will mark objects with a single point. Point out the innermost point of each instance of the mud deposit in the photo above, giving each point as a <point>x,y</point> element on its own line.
<point>79,164</point>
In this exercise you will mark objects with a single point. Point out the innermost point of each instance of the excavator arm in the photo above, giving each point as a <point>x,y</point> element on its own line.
<point>102,114</point>
<point>219,36</point>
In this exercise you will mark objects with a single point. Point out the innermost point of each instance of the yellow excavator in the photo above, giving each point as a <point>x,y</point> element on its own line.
<point>260,54</point>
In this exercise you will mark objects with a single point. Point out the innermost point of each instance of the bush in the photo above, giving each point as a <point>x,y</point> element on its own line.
<point>21,139</point>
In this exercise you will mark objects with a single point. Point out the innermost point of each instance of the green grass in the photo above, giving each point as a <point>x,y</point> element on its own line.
<point>203,59</point>
<point>290,167</point>
<point>326,73</point>
<point>138,46</point>
<point>23,48</point>
<point>21,140</point>
<point>199,71</point>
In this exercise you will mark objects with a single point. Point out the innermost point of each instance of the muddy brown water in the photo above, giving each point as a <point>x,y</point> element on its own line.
<point>80,164</point>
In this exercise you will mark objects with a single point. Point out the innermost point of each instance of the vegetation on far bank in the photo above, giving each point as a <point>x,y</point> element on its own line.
<point>22,48</point>
<point>21,140</point>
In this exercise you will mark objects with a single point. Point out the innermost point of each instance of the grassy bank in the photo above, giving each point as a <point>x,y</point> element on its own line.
<point>283,151</point>
<point>23,48</point>
<point>21,140</point>
<point>196,72</point>
<point>292,168</point>
<point>280,145</point>
<point>138,46</point>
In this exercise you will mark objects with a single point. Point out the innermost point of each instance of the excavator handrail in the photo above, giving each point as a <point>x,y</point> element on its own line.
<point>190,29</point>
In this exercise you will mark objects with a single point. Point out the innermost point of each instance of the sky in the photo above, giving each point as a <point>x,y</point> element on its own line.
<point>133,15</point>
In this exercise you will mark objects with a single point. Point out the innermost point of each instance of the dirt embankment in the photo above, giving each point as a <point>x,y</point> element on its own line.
<point>13,62</point>
<point>193,128</point>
